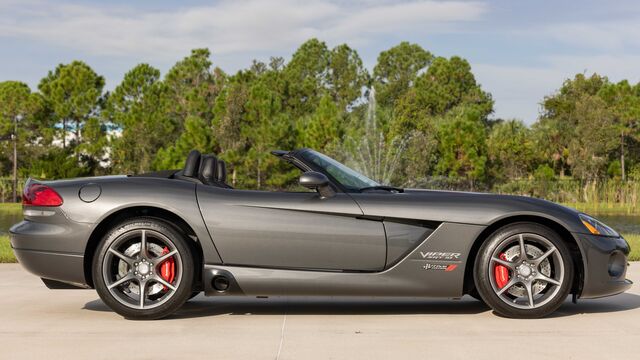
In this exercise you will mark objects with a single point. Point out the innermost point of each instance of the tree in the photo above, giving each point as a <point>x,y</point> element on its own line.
<point>510,149</point>
<point>446,84</point>
<point>462,146</point>
<point>323,127</point>
<point>192,88</point>
<point>265,128</point>
<point>138,109</point>
<point>227,126</point>
<point>18,110</point>
<point>595,137</point>
<point>397,70</point>
<point>306,77</point>
<point>418,159</point>
<point>73,92</point>
<point>347,76</point>
<point>557,129</point>
<point>624,101</point>
<point>197,135</point>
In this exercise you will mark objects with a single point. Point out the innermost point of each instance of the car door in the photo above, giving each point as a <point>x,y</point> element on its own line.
<point>297,230</point>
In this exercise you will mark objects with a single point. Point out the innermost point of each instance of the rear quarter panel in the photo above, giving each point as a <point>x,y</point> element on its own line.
<point>120,192</point>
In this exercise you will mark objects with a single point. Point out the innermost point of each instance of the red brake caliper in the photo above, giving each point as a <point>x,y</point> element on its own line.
<point>167,268</point>
<point>501,273</point>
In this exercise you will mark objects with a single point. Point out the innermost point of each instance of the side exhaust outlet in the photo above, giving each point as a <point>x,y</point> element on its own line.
<point>220,283</point>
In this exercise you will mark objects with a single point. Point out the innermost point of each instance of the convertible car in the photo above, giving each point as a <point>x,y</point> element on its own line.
<point>148,243</point>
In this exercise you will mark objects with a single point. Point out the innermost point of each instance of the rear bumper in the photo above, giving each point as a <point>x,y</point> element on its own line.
<point>605,265</point>
<point>67,268</point>
<point>51,250</point>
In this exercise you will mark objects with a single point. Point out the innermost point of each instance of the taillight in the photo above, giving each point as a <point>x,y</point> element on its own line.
<point>40,195</point>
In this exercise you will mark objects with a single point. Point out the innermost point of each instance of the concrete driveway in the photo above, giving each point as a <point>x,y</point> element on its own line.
<point>37,323</point>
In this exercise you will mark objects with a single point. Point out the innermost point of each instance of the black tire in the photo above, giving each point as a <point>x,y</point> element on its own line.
<point>184,288</point>
<point>474,294</point>
<point>559,261</point>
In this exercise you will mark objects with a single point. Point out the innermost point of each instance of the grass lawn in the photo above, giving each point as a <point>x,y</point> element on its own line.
<point>6,254</point>
<point>605,208</point>
<point>634,241</point>
<point>10,207</point>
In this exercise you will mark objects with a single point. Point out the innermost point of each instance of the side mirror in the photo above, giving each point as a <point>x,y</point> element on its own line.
<point>317,181</point>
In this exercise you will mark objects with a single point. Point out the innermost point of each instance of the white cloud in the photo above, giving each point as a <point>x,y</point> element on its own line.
<point>603,35</point>
<point>226,26</point>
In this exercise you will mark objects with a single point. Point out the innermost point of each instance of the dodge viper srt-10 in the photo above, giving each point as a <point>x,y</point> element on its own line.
<point>148,243</point>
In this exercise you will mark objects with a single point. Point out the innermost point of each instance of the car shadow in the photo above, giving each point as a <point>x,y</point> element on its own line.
<point>211,306</point>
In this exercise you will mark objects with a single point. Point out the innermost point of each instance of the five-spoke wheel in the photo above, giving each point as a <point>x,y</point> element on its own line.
<point>524,270</point>
<point>144,269</point>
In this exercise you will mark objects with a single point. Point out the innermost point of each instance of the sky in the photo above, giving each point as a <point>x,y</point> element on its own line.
<point>520,51</point>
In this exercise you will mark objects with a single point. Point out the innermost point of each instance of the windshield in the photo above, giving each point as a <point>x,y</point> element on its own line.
<point>346,176</point>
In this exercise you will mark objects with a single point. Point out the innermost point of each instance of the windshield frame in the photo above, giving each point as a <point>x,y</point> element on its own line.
<point>300,156</point>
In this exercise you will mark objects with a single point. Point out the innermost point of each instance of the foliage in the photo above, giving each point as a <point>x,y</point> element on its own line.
<point>72,92</point>
<point>6,253</point>
<point>138,106</point>
<point>397,70</point>
<point>510,150</point>
<point>462,145</point>
<point>418,120</point>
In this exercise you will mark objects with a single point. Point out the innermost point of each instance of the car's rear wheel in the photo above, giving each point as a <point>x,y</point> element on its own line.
<point>144,269</point>
<point>524,270</point>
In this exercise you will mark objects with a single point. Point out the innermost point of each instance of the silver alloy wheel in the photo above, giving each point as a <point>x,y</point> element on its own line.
<point>142,268</point>
<point>536,255</point>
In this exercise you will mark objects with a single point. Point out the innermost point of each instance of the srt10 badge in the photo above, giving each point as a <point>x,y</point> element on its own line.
<point>440,267</point>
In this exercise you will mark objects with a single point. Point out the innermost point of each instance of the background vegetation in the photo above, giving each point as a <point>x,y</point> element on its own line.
<point>431,125</point>
<point>416,120</point>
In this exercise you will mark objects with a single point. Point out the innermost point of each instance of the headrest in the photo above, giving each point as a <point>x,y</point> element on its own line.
<point>192,165</point>
<point>222,171</point>
<point>209,168</point>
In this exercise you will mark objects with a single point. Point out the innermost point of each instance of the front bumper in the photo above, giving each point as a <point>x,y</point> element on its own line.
<point>605,265</point>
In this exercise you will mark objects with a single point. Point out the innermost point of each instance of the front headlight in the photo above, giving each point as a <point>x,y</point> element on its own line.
<point>597,227</point>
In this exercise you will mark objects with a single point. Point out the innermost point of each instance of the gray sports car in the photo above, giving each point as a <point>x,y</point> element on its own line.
<point>147,243</point>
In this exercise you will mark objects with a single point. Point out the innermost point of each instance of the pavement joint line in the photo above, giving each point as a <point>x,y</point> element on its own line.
<point>284,322</point>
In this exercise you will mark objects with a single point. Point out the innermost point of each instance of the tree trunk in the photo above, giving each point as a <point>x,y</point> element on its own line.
<point>622,155</point>
<point>77,132</point>
<point>15,161</point>
<point>64,133</point>
<point>77,136</point>
<point>233,177</point>
<point>259,174</point>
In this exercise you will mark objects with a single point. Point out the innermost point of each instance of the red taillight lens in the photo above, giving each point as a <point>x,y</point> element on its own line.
<point>41,195</point>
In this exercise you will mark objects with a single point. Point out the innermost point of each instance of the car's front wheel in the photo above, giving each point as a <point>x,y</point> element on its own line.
<point>144,269</point>
<point>524,270</point>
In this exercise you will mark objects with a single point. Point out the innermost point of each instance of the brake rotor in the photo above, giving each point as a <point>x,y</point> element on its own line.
<point>123,269</point>
<point>533,252</point>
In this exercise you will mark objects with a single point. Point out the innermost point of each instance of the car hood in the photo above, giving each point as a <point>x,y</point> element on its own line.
<point>463,207</point>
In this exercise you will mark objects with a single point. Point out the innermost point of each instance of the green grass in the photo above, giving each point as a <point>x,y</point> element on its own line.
<point>605,208</point>
<point>10,207</point>
<point>6,254</point>
<point>634,241</point>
